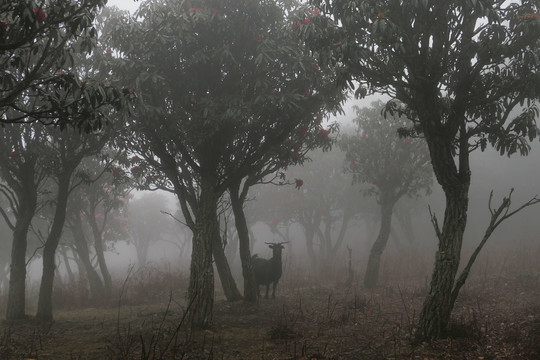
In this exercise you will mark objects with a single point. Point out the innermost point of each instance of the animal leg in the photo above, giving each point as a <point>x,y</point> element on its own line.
<point>267,288</point>
<point>274,290</point>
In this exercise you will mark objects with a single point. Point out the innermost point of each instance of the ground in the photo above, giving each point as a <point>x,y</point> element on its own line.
<point>495,318</point>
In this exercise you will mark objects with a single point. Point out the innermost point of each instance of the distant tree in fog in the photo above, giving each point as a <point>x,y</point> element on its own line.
<point>97,210</point>
<point>393,167</point>
<point>223,94</point>
<point>464,73</point>
<point>324,207</point>
<point>147,224</point>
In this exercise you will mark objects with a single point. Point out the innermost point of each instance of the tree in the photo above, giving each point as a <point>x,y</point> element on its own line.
<point>38,40</point>
<point>464,72</point>
<point>66,150</point>
<point>324,206</point>
<point>23,173</point>
<point>394,167</point>
<point>97,210</point>
<point>147,224</point>
<point>224,89</point>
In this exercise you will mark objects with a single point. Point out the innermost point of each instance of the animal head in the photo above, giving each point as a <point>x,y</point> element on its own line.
<point>276,247</point>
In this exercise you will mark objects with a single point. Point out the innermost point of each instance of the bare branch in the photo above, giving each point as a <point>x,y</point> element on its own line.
<point>435,223</point>
<point>497,217</point>
<point>175,218</point>
<point>7,220</point>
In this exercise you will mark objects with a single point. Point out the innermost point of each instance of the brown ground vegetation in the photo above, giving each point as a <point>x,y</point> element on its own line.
<point>496,317</point>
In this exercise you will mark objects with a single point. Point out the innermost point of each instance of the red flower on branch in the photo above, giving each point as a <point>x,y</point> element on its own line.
<point>298,183</point>
<point>4,25</point>
<point>40,15</point>
<point>302,130</point>
<point>14,154</point>
<point>324,133</point>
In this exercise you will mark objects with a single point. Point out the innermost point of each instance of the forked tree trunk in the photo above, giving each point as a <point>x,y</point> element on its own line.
<point>201,279</point>
<point>94,281</point>
<point>17,277</point>
<point>44,310</point>
<point>374,262</point>
<point>100,254</point>
<point>224,271</point>
<point>250,287</point>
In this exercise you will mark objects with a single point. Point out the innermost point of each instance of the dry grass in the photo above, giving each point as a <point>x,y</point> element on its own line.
<point>496,317</point>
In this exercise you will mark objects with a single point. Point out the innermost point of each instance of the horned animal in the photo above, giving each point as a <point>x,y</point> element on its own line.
<point>268,271</point>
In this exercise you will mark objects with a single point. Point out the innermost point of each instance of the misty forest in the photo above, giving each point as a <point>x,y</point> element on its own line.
<point>270,179</point>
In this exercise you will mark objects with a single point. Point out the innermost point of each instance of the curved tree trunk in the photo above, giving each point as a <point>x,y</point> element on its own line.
<point>224,271</point>
<point>17,277</point>
<point>100,254</point>
<point>94,281</point>
<point>372,271</point>
<point>44,310</point>
<point>437,308</point>
<point>251,290</point>
<point>201,279</point>
<point>71,277</point>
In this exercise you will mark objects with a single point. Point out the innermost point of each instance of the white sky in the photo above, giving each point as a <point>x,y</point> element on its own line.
<point>130,5</point>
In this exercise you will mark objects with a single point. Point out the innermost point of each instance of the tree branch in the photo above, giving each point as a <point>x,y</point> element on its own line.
<point>497,217</point>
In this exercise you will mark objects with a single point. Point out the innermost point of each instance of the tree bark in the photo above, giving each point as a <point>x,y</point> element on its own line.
<point>71,277</point>
<point>201,279</point>
<point>372,271</point>
<point>44,310</point>
<point>100,254</point>
<point>437,308</point>
<point>17,277</point>
<point>251,290</point>
<point>94,281</point>
<point>224,271</point>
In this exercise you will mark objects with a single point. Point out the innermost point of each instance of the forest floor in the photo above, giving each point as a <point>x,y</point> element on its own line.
<point>494,318</point>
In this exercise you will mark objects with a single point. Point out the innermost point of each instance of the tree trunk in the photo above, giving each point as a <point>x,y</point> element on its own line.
<point>455,182</point>
<point>251,290</point>
<point>17,277</point>
<point>141,246</point>
<point>374,262</point>
<point>437,307</point>
<point>44,310</point>
<point>224,271</point>
<point>94,281</point>
<point>100,254</point>
<point>71,277</point>
<point>201,279</point>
